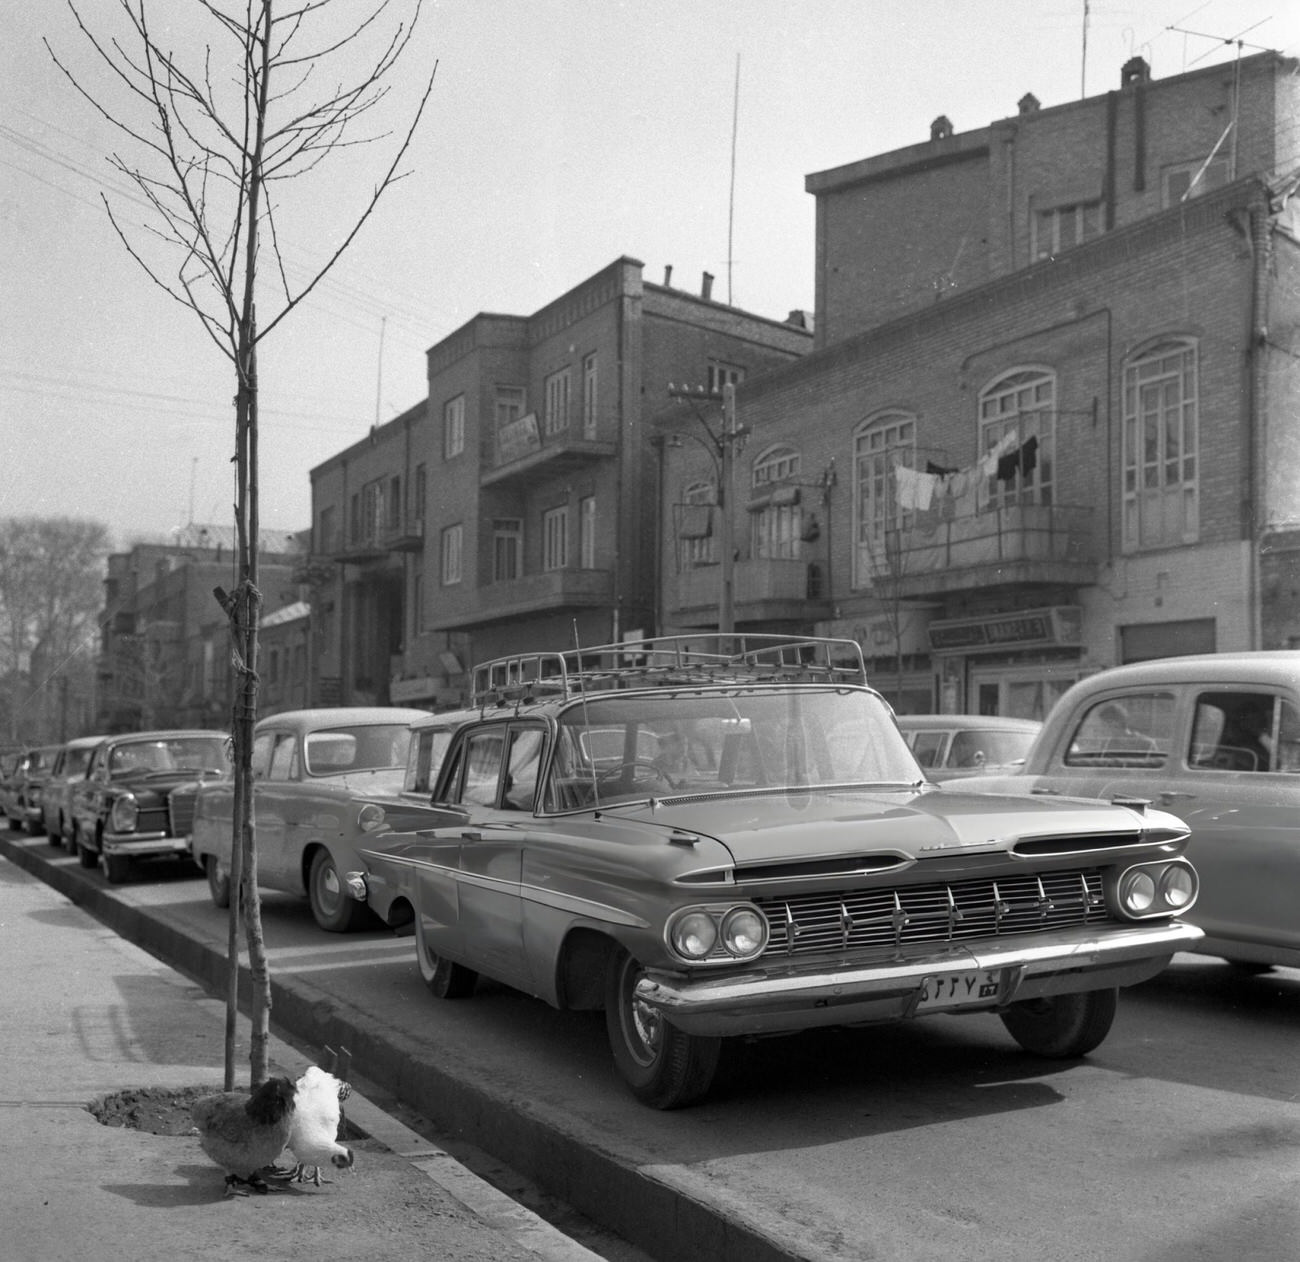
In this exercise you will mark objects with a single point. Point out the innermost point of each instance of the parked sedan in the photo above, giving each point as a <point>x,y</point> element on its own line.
<point>727,836</point>
<point>1216,740</point>
<point>126,808</point>
<point>323,781</point>
<point>70,767</point>
<point>27,784</point>
<point>949,745</point>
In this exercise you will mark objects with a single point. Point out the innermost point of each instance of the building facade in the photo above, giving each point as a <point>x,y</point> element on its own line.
<point>514,508</point>
<point>1052,422</point>
<point>164,656</point>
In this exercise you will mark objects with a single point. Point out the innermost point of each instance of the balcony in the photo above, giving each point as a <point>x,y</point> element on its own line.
<point>362,548</point>
<point>405,535</point>
<point>1016,546</point>
<point>555,591</point>
<point>764,590</point>
<point>523,452</point>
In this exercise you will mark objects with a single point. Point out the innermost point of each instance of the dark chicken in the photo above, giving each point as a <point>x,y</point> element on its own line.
<point>245,1133</point>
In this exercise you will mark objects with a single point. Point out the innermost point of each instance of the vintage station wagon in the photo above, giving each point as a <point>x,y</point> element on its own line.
<point>716,836</point>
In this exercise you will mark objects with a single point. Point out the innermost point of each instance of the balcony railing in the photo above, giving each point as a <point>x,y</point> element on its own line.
<point>554,590</point>
<point>1026,543</point>
<point>406,535</point>
<point>522,450</point>
<point>766,589</point>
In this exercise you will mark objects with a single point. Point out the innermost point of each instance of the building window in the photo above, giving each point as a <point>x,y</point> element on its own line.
<point>696,527</point>
<point>721,374</point>
<point>556,418</point>
<point>453,427</point>
<point>507,549</point>
<point>1176,181</point>
<point>372,502</point>
<point>509,405</point>
<point>881,443</point>
<point>393,512</point>
<point>452,543</point>
<point>421,492</point>
<point>327,542</point>
<point>417,602</point>
<point>555,539</point>
<point>1160,486</point>
<point>354,518</point>
<point>1063,227</point>
<point>587,532</point>
<point>1018,424</point>
<point>778,522</point>
<point>589,396</point>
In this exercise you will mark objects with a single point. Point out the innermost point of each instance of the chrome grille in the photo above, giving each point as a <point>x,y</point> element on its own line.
<point>180,809</point>
<point>956,911</point>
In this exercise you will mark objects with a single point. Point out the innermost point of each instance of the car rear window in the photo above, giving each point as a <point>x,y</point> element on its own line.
<point>357,749</point>
<point>1244,731</point>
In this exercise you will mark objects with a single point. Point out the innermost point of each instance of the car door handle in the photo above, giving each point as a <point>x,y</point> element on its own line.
<point>1047,792</point>
<point>1170,795</point>
<point>471,835</point>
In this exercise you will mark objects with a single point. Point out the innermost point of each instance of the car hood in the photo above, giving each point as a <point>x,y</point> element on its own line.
<point>908,824</point>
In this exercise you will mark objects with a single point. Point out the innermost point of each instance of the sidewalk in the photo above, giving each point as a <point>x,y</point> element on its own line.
<point>86,1014</point>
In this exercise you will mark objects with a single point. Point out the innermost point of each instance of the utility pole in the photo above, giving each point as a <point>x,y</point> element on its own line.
<point>721,446</point>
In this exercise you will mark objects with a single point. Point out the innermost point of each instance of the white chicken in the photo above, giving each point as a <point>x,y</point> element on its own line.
<point>313,1134</point>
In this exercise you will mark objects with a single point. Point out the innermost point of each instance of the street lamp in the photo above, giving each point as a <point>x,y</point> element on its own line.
<point>721,445</point>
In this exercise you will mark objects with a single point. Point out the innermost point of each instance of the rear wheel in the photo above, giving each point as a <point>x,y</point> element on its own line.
<point>1062,1026</point>
<point>665,1068</point>
<point>54,836</point>
<point>87,857</point>
<point>335,910</point>
<point>445,979</point>
<point>218,881</point>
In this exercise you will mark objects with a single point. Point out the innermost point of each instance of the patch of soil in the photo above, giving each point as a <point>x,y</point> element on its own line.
<point>157,1110</point>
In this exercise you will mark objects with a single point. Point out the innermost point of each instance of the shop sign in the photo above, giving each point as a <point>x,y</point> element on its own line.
<point>1060,624</point>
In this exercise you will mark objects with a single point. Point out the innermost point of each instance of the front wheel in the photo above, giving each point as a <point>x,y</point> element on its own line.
<point>87,857</point>
<point>335,910</point>
<point>664,1067</point>
<point>1062,1026</point>
<point>218,881</point>
<point>444,978</point>
<point>117,868</point>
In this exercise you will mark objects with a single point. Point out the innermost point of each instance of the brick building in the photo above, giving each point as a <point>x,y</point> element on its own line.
<point>165,654</point>
<point>1051,422</point>
<point>514,507</point>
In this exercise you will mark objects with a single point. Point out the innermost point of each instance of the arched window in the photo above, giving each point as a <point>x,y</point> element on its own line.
<point>880,443</point>
<point>1161,446</point>
<point>1018,423</point>
<point>695,528</point>
<point>778,518</point>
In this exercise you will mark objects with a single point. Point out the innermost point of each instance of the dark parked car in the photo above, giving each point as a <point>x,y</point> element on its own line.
<point>127,807</point>
<point>728,836</point>
<point>70,766</point>
<point>1216,740</point>
<point>950,745</point>
<point>26,786</point>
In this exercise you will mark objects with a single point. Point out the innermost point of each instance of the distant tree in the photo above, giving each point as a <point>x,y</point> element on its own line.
<point>222,111</point>
<point>51,589</point>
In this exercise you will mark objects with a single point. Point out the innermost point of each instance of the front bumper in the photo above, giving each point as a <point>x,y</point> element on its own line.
<point>777,998</point>
<point>137,845</point>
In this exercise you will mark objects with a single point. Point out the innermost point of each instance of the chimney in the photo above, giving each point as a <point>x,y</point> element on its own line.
<point>668,275</point>
<point>706,286</point>
<point>941,128</point>
<point>1028,104</point>
<point>1134,70</point>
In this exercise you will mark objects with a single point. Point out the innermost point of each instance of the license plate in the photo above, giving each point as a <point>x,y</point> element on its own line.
<point>958,990</point>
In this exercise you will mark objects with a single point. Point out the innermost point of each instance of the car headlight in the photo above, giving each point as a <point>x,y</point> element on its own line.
<point>370,817</point>
<point>124,813</point>
<point>1157,889</point>
<point>719,934</point>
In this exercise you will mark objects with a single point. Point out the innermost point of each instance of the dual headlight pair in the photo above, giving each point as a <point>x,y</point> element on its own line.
<point>1157,889</point>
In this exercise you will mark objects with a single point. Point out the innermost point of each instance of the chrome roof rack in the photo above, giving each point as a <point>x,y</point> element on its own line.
<point>670,661</point>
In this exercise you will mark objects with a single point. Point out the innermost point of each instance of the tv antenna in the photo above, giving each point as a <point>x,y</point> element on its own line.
<point>731,198</point>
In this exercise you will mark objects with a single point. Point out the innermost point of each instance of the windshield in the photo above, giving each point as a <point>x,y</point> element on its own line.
<point>621,748</point>
<point>180,753</point>
<point>368,748</point>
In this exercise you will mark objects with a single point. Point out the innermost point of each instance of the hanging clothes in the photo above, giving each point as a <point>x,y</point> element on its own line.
<point>1028,456</point>
<point>913,490</point>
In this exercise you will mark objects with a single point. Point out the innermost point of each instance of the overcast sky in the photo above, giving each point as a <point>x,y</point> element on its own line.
<point>560,134</point>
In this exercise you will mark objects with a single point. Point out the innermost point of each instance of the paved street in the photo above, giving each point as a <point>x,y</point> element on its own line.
<point>1179,1138</point>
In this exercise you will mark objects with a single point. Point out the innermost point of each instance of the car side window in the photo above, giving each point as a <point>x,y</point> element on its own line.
<point>521,770</point>
<point>1286,750</point>
<point>261,756</point>
<point>484,753</point>
<point>283,757</point>
<point>1237,731</point>
<point>927,747</point>
<point>1134,730</point>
